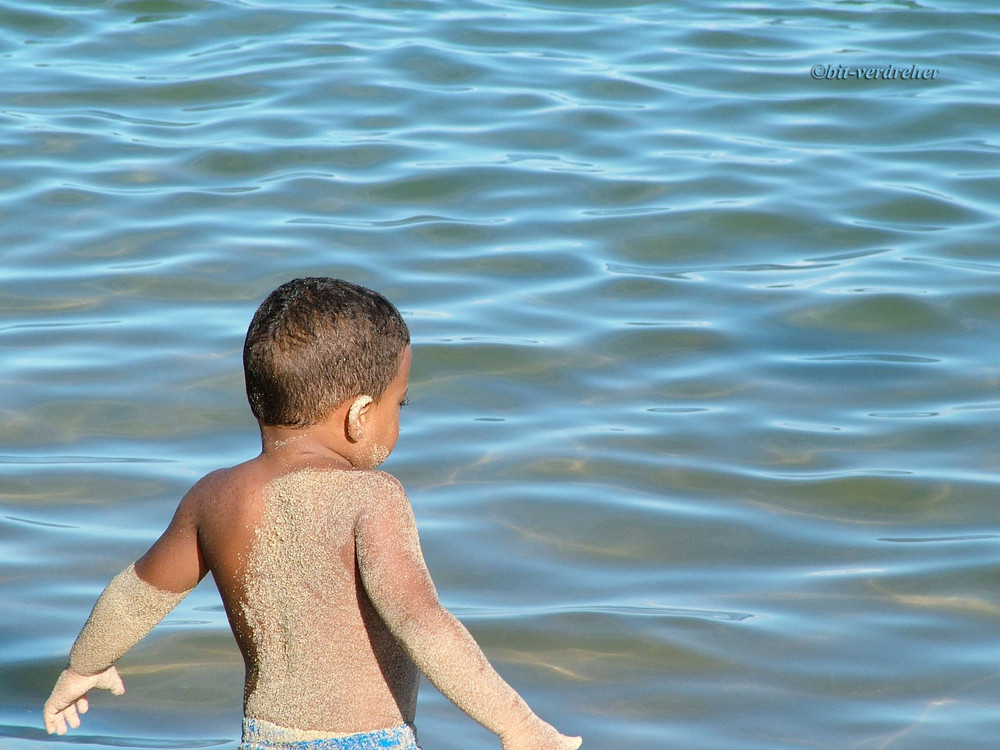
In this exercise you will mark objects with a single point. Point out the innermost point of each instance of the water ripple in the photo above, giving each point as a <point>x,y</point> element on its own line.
<point>700,340</point>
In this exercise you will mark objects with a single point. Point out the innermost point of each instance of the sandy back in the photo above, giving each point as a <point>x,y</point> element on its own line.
<point>320,657</point>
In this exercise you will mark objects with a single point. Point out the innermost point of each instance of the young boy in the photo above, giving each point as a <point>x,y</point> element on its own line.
<point>314,552</point>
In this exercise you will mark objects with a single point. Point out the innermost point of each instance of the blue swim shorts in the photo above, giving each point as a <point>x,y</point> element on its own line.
<point>263,735</point>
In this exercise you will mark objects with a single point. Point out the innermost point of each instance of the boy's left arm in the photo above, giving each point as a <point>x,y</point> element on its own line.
<point>130,606</point>
<point>396,580</point>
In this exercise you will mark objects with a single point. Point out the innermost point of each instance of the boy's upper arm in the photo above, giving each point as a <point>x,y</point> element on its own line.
<point>174,562</point>
<point>391,563</point>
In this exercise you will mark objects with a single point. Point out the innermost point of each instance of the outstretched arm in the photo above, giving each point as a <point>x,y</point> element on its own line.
<point>397,582</point>
<point>130,606</point>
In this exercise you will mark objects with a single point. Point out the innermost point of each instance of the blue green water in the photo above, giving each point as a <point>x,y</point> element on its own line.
<point>702,441</point>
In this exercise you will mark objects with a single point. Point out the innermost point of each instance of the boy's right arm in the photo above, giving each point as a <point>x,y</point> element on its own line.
<point>397,582</point>
<point>128,608</point>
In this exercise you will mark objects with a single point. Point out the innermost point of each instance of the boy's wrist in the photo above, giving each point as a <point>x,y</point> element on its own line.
<point>83,674</point>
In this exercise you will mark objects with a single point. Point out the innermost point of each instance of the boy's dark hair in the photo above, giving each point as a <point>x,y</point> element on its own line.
<point>315,342</point>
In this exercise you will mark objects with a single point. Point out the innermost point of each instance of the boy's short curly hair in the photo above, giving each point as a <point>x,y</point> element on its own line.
<point>314,343</point>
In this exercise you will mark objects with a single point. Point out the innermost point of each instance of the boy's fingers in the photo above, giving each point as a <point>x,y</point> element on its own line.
<point>61,727</point>
<point>72,718</point>
<point>111,680</point>
<point>116,686</point>
<point>50,721</point>
<point>82,704</point>
<point>53,718</point>
<point>58,724</point>
<point>569,743</point>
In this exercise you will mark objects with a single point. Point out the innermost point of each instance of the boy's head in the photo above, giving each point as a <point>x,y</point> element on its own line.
<point>316,342</point>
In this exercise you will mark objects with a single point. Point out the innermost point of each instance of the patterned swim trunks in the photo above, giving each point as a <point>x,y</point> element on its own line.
<point>263,735</point>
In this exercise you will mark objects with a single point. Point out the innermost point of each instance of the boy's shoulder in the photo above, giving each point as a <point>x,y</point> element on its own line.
<point>363,487</point>
<point>250,483</point>
<point>339,495</point>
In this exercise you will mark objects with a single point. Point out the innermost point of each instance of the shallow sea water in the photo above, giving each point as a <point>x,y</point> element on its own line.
<point>702,441</point>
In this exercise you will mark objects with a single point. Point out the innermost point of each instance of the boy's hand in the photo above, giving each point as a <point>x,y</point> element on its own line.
<point>69,697</point>
<point>539,736</point>
<point>555,742</point>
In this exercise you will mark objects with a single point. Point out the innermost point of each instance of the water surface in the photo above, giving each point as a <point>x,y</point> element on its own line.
<point>703,435</point>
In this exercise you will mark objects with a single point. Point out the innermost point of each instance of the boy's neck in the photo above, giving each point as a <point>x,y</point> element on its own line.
<point>299,445</point>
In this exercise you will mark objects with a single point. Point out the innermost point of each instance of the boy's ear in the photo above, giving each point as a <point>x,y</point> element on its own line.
<point>356,416</point>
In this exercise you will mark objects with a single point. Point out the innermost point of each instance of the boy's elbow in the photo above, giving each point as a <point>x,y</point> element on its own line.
<point>421,619</point>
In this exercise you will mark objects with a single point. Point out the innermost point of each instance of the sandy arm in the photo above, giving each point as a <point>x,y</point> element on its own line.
<point>397,582</point>
<point>129,607</point>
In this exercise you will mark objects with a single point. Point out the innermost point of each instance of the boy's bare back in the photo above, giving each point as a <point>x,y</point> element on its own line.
<point>294,553</point>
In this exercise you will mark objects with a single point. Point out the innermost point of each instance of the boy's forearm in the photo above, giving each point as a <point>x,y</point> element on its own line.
<point>449,656</point>
<point>125,612</point>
